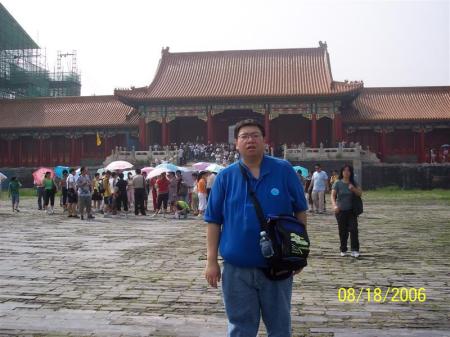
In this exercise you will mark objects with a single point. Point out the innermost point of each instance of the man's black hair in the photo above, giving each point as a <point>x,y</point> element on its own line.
<point>248,122</point>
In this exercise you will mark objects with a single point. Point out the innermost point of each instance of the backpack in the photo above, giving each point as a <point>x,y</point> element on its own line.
<point>290,244</point>
<point>289,238</point>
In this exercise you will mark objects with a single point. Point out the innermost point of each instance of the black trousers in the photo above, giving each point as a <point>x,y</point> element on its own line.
<point>122,201</point>
<point>40,196</point>
<point>348,224</point>
<point>49,196</point>
<point>139,197</point>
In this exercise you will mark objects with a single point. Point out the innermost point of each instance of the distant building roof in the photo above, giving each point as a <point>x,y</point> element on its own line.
<point>401,104</point>
<point>12,35</point>
<point>63,112</point>
<point>241,74</point>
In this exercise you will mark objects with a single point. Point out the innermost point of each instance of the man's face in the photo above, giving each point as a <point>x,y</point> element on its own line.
<point>317,168</point>
<point>250,142</point>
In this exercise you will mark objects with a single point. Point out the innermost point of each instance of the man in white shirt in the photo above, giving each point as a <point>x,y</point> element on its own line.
<point>72,196</point>
<point>319,184</point>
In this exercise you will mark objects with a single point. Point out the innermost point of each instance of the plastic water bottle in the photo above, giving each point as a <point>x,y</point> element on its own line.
<point>266,245</point>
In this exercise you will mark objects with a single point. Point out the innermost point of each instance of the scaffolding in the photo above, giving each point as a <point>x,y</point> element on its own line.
<point>65,80</point>
<point>23,65</point>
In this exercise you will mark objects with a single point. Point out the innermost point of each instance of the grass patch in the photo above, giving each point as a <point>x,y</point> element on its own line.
<point>396,193</point>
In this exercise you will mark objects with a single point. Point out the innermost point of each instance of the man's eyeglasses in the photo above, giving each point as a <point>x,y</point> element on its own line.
<point>247,136</point>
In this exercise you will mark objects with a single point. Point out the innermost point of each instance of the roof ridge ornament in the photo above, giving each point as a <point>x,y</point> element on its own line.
<point>323,44</point>
<point>165,51</point>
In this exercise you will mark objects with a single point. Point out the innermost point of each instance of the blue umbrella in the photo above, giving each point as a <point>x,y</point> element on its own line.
<point>303,169</point>
<point>59,170</point>
<point>168,167</point>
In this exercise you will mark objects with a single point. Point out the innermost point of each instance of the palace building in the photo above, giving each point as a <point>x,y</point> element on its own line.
<point>199,96</point>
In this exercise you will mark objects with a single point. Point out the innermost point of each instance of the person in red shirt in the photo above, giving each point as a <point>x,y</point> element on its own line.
<point>162,188</point>
<point>154,193</point>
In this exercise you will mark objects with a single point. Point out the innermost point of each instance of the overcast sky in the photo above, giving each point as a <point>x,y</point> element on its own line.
<point>383,43</point>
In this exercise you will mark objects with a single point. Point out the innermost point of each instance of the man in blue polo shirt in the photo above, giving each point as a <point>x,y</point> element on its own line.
<point>234,229</point>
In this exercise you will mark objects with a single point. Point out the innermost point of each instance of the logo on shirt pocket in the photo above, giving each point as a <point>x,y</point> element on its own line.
<point>275,191</point>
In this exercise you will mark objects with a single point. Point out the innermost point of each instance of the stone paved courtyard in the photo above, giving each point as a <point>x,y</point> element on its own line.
<point>140,276</point>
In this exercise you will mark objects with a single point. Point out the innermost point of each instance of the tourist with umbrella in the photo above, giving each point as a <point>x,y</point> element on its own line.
<point>162,188</point>
<point>38,177</point>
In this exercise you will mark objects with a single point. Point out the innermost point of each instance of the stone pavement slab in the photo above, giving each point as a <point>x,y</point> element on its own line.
<point>143,276</point>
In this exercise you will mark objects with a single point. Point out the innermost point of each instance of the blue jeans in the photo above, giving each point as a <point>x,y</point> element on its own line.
<point>248,294</point>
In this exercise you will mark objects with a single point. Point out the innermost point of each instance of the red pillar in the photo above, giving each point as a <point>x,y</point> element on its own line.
<point>82,147</point>
<point>142,133</point>
<point>41,147</point>
<point>72,151</point>
<point>19,160</point>
<point>51,158</point>
<point>314,130</point>
<point>168,133</point>
<point>337,129</point>
<point>164,130</point>
<point>106,145</point>
<point>10,159</point>
<point>267,126</point>
<point>382,144</point>
<point>421,149</point>
<point>210,134</point>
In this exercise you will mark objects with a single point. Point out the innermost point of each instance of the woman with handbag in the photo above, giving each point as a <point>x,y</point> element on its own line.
<point>344,191</point>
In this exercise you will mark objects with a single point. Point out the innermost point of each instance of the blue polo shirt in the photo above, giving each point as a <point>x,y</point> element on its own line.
<point>278,190</point>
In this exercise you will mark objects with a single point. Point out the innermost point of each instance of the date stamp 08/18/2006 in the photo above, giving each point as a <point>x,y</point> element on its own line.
<point>380,295</point>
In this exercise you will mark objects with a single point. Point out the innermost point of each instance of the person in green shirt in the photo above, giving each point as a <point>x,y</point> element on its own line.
<point>13,193</point>
<point>181,209</point>
<point>49,194</point>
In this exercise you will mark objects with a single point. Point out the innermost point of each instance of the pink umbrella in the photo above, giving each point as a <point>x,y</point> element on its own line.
<point>201,166</point>
<point>39,174</point>
<point>119,165</point>
<point>147,169</point>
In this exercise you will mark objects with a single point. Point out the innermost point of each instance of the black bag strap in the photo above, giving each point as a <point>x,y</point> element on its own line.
<point>259,211</point>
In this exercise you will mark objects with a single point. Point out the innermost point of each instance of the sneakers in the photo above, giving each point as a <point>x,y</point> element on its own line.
<point>343,254</point>
<point>355,254</point>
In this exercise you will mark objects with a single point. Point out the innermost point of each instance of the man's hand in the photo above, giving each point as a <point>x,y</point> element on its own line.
<point>336,210</point>
<point>212,273</point>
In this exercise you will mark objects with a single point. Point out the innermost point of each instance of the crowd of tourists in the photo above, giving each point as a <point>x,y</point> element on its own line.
<point>114,193</point>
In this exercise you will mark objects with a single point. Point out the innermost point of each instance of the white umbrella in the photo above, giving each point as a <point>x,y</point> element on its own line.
<point>119,165</point>
<point>157,171</point>
<point>214,168</point>
<point>2,177</point>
